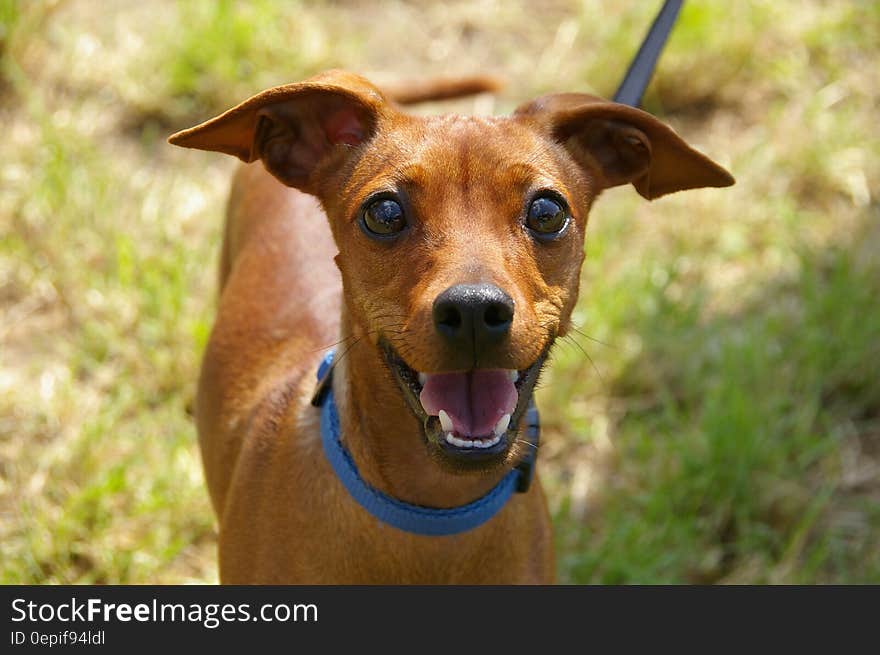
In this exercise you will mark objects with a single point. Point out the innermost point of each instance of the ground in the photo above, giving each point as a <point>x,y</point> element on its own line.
<point>714,419</point>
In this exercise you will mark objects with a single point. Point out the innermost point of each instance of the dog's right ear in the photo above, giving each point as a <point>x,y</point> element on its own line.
<point>296,129</point>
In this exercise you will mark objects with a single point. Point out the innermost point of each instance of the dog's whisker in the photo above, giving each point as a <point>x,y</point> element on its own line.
<point>594,339</point>
<point>336,360</point>
<point>344,339</point>
<point>527,443</point>
<point>569,339</point>
<point>389,315</point>
<point>331,345</point>
<point>396,319</point>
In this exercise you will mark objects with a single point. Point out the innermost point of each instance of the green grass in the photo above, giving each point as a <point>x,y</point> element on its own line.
<point>715,418</point>
<point>732,443</point>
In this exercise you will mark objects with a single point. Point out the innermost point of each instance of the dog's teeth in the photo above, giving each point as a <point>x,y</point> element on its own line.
<point>423,377</point>
<point>464,443</point>
<point>486,443</point>
<point>445,421</point>
<point>472,443</point>
<point>514,375</point>
<point>501,426</point>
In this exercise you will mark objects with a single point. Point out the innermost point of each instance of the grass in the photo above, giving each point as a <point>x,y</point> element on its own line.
<point>736,433</point>
<point>715,418</point>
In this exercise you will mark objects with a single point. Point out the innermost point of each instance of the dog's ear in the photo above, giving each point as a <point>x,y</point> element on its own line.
<point>619,144</point>
<point>295,129</point>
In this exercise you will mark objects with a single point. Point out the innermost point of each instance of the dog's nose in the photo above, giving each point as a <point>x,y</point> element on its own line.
<point>473,314</point>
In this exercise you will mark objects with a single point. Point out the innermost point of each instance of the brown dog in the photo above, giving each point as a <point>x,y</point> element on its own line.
<point>460,242</point>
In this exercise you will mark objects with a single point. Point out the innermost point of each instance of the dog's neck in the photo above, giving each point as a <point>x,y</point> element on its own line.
<point>383,436</point>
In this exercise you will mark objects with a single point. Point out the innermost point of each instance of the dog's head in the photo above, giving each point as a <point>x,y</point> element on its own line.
<point>460,238</point>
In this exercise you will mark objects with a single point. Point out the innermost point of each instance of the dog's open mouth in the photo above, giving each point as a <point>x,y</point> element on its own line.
<point>470,417</point>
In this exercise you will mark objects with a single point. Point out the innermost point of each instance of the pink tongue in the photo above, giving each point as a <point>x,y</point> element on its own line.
<point>474,400</point>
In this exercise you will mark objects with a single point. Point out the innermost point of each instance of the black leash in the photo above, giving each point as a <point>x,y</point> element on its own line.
<point>642,67</point>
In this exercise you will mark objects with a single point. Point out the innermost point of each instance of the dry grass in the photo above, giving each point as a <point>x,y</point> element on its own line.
<point>729,431</point>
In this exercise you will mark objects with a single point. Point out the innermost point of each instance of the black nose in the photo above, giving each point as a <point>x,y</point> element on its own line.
<point>473,314</point>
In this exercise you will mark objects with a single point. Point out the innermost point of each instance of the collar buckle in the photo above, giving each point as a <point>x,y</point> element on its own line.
<point>325,378</point>
<point>526,467</point>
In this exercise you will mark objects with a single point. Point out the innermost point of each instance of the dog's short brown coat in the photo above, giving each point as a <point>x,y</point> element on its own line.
<point>332,141</point>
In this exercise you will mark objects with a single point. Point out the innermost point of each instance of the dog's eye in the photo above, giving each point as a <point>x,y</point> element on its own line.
<point>547,216</point>
<point>384,217</point>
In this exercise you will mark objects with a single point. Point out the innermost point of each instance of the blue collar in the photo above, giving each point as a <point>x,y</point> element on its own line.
<point>405,516</point>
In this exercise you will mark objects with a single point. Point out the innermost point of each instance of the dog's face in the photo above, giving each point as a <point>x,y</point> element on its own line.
<point>460,238</point>
<point>461,241</point>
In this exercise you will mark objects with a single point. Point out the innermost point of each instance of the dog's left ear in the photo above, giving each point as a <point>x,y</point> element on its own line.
<point>619,144</point>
